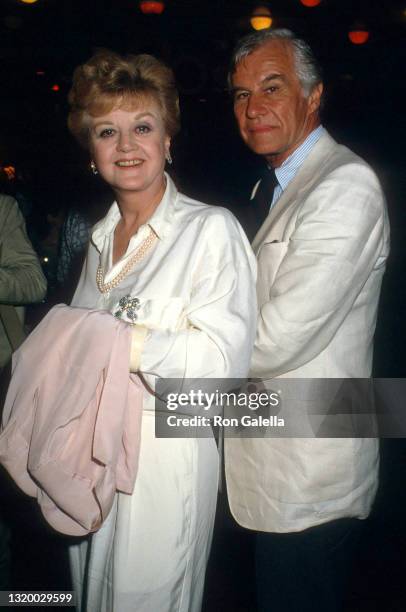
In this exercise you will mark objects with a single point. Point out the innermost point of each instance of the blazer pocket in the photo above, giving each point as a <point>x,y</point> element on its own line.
<point>270,258</point>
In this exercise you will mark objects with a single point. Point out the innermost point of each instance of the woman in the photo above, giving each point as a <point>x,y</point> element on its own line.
<point>183,272</point>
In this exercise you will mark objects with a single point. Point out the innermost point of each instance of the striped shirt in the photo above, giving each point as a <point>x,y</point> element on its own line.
<point>290,167</point>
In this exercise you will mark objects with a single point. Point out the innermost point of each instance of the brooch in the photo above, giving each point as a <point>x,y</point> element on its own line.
<point>128,306</point>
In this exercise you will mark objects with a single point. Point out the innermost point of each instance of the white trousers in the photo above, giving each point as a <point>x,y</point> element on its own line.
<point>150,555</point>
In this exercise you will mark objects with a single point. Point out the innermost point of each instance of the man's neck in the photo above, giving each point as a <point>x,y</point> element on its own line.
<point>275,160</point>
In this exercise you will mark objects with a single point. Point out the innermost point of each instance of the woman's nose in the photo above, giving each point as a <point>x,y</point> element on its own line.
<point>126,142</point>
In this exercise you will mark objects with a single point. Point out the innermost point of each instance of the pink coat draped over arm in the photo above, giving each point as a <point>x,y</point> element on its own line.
<point>71,421</point>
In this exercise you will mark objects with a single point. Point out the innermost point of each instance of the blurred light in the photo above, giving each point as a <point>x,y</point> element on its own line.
<point>55,87</point>
<point>10,172</point>
<point>359,36</point>
<point>310,3</point>
<point>40,72</point>
<point>28,1</point>
<point>45,259</point>
<point>261,18</point>
<point>261,23</point>
<point>152,7</point>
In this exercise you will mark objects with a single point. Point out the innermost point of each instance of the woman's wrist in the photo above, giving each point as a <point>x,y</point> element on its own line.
<point>139,334</point>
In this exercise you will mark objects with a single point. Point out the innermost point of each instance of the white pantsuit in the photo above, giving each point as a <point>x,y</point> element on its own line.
<point>151,553</point>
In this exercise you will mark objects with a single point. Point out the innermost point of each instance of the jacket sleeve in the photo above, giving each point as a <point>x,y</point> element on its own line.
<point>218,337</point>
<point>21,277</point>
<point>338,240</point>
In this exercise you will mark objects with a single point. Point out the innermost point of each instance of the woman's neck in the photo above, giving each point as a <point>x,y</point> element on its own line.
<point>136,208</point>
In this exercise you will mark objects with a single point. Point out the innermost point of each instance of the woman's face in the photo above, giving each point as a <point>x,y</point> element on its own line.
<point>129,148</point>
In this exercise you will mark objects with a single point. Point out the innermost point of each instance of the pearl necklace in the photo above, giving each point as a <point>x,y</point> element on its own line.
<point>143,249</point>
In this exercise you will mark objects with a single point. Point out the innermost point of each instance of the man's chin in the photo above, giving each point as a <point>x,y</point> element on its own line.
<point>261,145</point>
<point>262,149</point>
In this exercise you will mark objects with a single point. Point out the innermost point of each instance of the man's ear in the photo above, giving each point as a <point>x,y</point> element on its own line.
<point>315,98</point>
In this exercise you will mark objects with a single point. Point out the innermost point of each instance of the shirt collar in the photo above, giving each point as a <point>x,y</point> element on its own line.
<point>160,222</point>
<point>287,171</point>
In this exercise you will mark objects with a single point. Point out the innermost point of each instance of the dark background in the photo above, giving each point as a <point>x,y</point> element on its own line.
<point>41,44</point>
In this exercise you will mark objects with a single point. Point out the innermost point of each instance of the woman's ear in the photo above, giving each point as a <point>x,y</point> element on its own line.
<point>168,156</point>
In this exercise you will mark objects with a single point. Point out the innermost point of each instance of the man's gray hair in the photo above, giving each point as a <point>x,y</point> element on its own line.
<point>307,67</point>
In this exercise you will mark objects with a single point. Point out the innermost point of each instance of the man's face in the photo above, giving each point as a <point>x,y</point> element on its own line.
<point>273,115</point>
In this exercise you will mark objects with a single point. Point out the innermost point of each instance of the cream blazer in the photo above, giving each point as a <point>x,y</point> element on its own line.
<point>321,256</point>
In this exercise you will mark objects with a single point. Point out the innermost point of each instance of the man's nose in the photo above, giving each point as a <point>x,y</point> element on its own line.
<point>255,106</point>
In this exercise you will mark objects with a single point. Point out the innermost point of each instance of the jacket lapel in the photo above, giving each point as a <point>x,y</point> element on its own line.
<point>306,176</point>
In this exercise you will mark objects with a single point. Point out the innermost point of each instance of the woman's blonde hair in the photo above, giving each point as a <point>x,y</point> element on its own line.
<point>108,80</point>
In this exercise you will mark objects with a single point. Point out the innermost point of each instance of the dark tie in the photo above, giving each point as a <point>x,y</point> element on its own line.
<point>263,196</point>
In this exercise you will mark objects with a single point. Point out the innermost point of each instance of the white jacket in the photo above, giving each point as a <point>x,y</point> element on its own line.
<point>321,256</point>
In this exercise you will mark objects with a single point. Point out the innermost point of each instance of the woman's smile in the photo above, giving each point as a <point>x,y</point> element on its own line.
<point>129,163</point>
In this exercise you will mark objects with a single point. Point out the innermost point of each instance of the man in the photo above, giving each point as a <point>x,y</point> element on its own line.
<point>21,278</point>
<point>321,254</point>
<point>21,282</point>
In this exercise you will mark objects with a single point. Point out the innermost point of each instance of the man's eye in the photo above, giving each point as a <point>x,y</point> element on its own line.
<point>106,133</point>
<point>142,129</point>
<point>272,89</point>
<point>241,95</point>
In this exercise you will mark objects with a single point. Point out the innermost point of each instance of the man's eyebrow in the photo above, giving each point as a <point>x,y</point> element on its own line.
<point>273,77</point>
<point>270,77</point>
<point>234,90</point>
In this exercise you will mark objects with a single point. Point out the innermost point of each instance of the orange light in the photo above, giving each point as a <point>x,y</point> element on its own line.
<point>261,18</point>
<point>10,172</point>
<point>29,1</point>
<point>310,3</point>
<point>358,37</point>
<point>152,7</point>
<point>55,87</point>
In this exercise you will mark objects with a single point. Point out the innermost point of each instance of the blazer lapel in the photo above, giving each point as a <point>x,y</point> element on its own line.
<point>306,176</point>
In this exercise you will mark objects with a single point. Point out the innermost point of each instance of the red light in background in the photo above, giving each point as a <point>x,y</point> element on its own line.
<point>310,3</point>
<point>358,37</point>
<point>55,87</point>
<point>152,7</point>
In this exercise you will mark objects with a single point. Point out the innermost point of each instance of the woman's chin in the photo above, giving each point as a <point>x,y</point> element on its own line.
<point>138,184</point>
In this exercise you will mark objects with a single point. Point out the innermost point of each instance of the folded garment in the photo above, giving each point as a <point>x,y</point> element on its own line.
<point>71,421</point>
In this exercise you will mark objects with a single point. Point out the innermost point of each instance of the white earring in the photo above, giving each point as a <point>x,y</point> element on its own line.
<point>168,157</point>
<point>93,167</point>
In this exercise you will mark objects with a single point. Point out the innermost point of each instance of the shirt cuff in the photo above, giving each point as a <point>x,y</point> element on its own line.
<point>139,334</point>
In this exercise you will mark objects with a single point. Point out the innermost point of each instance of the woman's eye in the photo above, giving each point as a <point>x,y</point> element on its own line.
<point>106,133</point>
<point>142,129</point>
